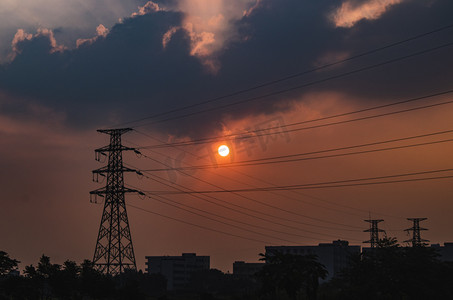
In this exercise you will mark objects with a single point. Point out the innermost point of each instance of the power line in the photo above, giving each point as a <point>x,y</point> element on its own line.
<point>355,146</point>
<point>200,226</point>
<point>343,154</point>
<point>248,214</point>
<point>265,161</point>
<point>272,82</point>
<point>255,211</point>
<point>328,184</point>
<point>429,134</point>
<point>283,195</point>
<point>167,200</point>
<point>321,187</point>
<point>222,222</point>
<point>241,136</point>
<point>316,198</point>
<point>399,139</point>
<point>299,193</point>
<point>292,212</point>
<point>341,75</point>
<point>288,197</point>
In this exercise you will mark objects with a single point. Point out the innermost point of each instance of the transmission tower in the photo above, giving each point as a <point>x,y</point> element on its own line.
<point>114,252</point>
<point>416,240</point>
<point>374,232</point>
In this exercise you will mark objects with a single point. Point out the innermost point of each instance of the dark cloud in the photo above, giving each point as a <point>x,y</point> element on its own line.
<point>130,75</point>
<point>127,69</point>
<point>287,37</point>
<point>420,74</point>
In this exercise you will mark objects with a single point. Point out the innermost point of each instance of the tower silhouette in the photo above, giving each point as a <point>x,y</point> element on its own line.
<point>416,240</point>
<point>114,252</point>
<point>374,232</point>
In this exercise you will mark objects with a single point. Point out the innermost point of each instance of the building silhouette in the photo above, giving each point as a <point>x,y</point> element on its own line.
<point>176,269</point>
<point>334,256</point>
<point>246,270</point>
<point>445,251</point>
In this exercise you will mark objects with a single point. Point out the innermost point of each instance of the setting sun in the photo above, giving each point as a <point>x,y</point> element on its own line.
<point>224,150</point>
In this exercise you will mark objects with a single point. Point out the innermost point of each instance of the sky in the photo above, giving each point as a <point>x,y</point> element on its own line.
<point>369,76</point>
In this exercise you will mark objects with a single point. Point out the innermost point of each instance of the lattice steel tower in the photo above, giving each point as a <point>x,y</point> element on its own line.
<point>416,240</point>
<point>114,252</point>
<point>374,232</point>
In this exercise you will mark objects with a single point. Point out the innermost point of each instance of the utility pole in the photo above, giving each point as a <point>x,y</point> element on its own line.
<point>374,232</point>
<point>416,240</point>
<point>114,252</point>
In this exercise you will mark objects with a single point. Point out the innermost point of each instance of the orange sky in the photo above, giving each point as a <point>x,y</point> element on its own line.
<point>48,129</point>
<point>49,211</point>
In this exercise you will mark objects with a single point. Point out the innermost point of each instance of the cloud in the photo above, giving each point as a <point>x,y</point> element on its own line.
<point>101,32</point>
<point>149,7</point>
<point>22,36</point>
<point>55,47</point>
<point>351,12</point>
<point>211,25</point>
<point>156,61</point>
<point>19,37</point>
<point>250,10</point>
<point>73,18</point>
<point>168,35</point>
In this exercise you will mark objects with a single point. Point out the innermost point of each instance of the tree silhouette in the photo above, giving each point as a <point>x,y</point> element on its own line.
<point>66,283</point>
<point>292,274</point>
<point>72,281</point>
<point>7,264</point>
<point>394,272</point>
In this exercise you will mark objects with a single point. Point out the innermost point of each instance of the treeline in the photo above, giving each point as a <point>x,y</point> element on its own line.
<point>386,272</point>
<point>393,272</point>
<point>73,281</point>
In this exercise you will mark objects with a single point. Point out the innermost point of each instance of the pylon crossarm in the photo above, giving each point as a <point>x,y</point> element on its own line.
<point>115,148</point>
<point>104,170</point>
<point>111,131</point>
<point>103,191</point>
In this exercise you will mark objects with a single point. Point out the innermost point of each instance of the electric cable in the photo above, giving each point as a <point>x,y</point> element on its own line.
<point>177,204</point>
<point>159,180</point>
<point>241,136</point>
<point>297,87</point>
<point>284,195</point>
<point>272,82</point>
<point>200,226</point>
<point>328,184</point>
<point>265,161</point>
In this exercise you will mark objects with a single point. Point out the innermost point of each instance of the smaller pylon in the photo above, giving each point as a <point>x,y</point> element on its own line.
<point>416,240</point>
<point>374,232</point>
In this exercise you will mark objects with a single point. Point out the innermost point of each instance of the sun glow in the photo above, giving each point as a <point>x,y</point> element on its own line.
<point>224,150</point>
